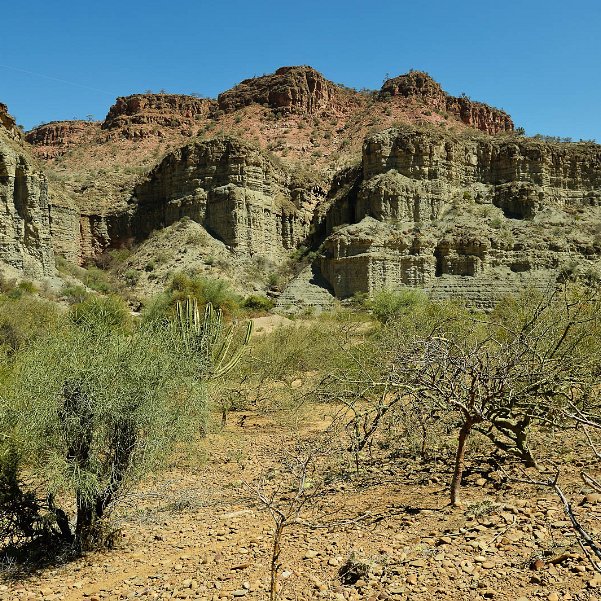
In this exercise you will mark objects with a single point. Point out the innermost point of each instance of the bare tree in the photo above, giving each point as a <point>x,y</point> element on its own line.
<point>291,486</point>
<point>535,360</point>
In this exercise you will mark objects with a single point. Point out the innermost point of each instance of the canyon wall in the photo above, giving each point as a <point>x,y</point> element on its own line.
<point>451,200</point>
<point>234,190</point>
<point>488,215</point>
<point>25,237</point>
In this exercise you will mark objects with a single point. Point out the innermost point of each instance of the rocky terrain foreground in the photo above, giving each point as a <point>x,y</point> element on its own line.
<point>196,532</point>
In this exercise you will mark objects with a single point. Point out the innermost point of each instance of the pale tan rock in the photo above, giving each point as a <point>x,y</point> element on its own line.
<point>25,232</point>
<point>464,216</point>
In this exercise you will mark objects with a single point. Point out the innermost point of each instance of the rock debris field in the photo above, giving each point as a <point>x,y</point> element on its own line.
<point>196,533</point>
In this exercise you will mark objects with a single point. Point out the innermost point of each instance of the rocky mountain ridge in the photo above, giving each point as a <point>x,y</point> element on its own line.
<point>419,85</point>
<point>290,89</point>
<point>442,194</point>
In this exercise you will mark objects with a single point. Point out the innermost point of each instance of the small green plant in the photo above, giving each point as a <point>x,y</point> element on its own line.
<point>97,280</point>
<point>110,311</point>
<point>255,302</point>
<point>274,280</point>
<point>23,319</point>
<point>388,304</point>
<point>204,290</point>
<point>131,277</point>
<point>74,294</point>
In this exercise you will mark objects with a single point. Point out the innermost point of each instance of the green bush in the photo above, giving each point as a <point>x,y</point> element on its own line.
<point>109,311</point>
<point>22,319</point>
<point>74,294</point>
<point>131,277</point>
<point>389,304</point>
<point>93,408</point>
<point>204,290</point>
<point>255,302</point>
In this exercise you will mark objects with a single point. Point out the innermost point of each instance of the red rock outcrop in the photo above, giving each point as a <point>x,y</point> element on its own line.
<point>420,86</point>
<point>55,138</point>
<point>290,89</point>
<point>141,115</point>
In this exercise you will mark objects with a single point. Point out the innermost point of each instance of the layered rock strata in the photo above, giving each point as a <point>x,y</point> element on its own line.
<point>234,190</point>
<point>25,238</point>
<point>141,115</point>
<point>8,124</point>
<point>295,89</point>
<point>442,206</point>
<point>54,139</point>
<point>99,163</point>
<point>419,85</point>
<point>433,209</point>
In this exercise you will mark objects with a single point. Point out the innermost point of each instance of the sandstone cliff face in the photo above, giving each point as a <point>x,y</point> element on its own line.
<point>231,188</point>
<point>295,113</point>
<point>25,239</point>
<point>473,215</point>
<point>294,89</point>
<point>444,207</point>
<point>142,115</point>
<point>421,86</point>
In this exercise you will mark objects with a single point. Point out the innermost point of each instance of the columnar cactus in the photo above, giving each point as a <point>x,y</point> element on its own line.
<point>208,339</point>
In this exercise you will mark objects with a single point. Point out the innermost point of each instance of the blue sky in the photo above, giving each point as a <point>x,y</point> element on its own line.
<point>538,60</point>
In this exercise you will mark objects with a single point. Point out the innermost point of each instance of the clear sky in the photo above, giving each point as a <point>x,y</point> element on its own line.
<point>538,60</point>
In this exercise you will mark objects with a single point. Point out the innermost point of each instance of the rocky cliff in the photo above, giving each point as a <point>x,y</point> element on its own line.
<point>142,115</point>
<point>449,199</point>
<point>292,89</point>
<point>235,191</point>
<point>308,122</point>
<point>54,139</point>
<point>25,238</point>
<point>467,213</point>
<point>8,124</point>
<point>420,86</point>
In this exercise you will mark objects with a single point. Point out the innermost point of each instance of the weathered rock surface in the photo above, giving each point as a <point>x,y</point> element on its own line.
<point>441,206</point>
<point>54,139</point>
<point>419,85</point>
<point>25,240</point>
<point>300,89</point>
<point>234,190</point>
<point>471,214</point>
<point>142,115</point>
<point>295,113</point>
<point>308,291</point>
<point>8,124</point>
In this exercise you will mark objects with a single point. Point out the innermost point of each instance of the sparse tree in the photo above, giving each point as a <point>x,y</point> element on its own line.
<point>288,488</point>
<point>535,360</point>
<point>92,408</point>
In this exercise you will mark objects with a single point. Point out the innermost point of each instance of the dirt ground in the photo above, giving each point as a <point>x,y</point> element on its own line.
<point>196,532</point>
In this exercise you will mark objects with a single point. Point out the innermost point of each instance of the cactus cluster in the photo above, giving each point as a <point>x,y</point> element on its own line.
<point>208,339</point>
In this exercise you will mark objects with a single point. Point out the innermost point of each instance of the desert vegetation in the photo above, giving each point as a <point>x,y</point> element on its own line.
<point>391,393</point>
